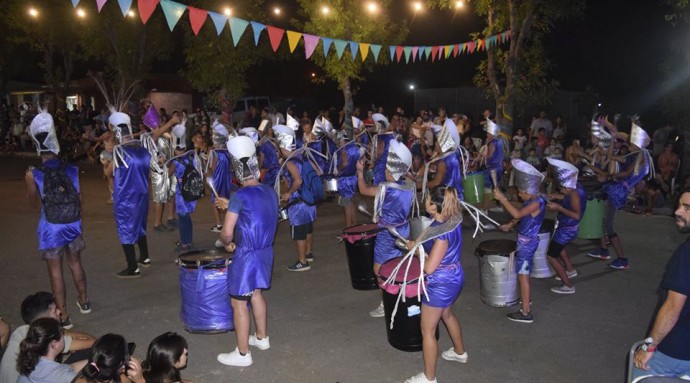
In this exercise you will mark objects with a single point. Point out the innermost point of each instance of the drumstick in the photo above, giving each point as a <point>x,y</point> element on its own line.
<point>209,181</point>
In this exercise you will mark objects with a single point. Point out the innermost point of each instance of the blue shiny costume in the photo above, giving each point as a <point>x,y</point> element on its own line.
<point>252,263</point>
<point>347,178</point>
<point>130,194</point>
<point>56,235</point>
<point>181,206</point>
<point>395,211</point>
<point>617,191</point>
<point>271,163</point>
<point>380,164</point>
<point>528,236</point>
<point>495,162</point>
<point>453,175</point>
<point>299,212</point>
<point>567,227</point>
<point>445,283</point>
<point>222,175</point>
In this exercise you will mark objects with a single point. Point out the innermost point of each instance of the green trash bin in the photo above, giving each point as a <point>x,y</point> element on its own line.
<point>592,224</point>
<point>473,185</point>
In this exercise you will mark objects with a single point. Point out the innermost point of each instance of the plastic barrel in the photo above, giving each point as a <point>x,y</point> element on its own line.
<point>359,247</point>
<point>592,223</point>
<point>540,263</point>
<point>498,285</point>
<point>473,185</point>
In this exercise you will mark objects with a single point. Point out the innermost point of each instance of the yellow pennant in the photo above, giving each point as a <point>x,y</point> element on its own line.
<point>364,50</point>
<point>293,39</point>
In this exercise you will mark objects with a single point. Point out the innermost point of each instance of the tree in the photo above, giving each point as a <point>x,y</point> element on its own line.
<point>346,21</point>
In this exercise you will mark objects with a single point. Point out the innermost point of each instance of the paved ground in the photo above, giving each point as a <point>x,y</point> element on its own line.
<point>319,327</point>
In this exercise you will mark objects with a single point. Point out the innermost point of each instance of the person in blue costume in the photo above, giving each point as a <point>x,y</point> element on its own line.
<point>528,219</point>
<point>184,208</point>
<point>638,165</point>
<point>493,161</point>
<point>380,147</point>
<point>449,168</point>
<point>130,196</point>
<point>444,282</point>
<point>360,132</point>
<point>570,212</point>
<point>249,229</point>
<point>392,205</point>
<point>345,159</point>
<point>56,239</point>
<point>301,215</point>
<point>218,167</point>
<point>317,138</point>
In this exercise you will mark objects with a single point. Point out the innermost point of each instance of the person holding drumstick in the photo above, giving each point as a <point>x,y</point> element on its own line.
<point>249,229</point>
<point>493,160</point>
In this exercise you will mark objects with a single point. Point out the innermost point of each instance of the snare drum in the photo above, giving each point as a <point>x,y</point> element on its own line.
<point>359,247</point>
<point>330,184</point>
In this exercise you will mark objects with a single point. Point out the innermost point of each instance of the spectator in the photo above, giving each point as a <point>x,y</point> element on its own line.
<point>660,138</point>
<point>542,142</point>
<point>538,123</point>
<point>4,335</point>
<point>166,356</point>
<point>533,159</point>
<point>572,154</point>
<point>163,116</point>
<point>552,148</point>
<point>519,140</point>
<point>111,362</point>
<point>415,136</point>
<point>668,162</point>
<point>559,131</point>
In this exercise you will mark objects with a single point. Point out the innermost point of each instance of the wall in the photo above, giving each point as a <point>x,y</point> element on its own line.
<point>171,101</point>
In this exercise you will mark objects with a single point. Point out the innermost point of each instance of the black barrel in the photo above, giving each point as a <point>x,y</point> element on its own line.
<point>359,247</point>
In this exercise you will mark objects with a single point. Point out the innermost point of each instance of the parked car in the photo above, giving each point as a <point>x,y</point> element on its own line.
<point>242,106</point>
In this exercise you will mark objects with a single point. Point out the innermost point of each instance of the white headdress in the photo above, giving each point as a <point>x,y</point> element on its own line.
<point>292,123</point>
<point>599,132</point>
<point>638,136</point>
<point>356,123</point>
<point>120,122</point>
<point>381,122</point>
<point>492,128</point>
<point>564,173</point>
<point>527,178</point>
<point>399,159</point>
<point>219,134</point>
<point>251,133</point>
<point>285,137</point>
<point>244,161</point>
<point>43,123</point>
<point>179,133</point>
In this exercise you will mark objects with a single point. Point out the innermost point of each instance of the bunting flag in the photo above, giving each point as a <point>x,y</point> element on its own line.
<point>173,11</point>
<point>364,49</point>
<point>293,39</point>
<point>237,28</point>
<point>275,35</point>
<point>421,53</point>
<point>257,28</point>
<point>480,45</point>
<point>354,47</point>
<point>125,6</point>
<point>375,50</point>
<point>470,47</point>
<point>434,52</point>
<point>392,49</point>
<point>427,52</point>
<point>219,21</point>
<point>310,43</point>
<point>339,47</point>
<point>146,8</point>
<point>197,18</point>
<point>326,45</point>
<point>440,52</point>
<point>456,47</point>
<point>414,53</point>
<point>446,51</point>
<point>100,4</point>
<point>408,52</point>
<point>75,3</point>
<point>398,52</point>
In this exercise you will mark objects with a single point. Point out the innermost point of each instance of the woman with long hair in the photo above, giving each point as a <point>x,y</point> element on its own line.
<point>166,356</point>
<point>111,362</point>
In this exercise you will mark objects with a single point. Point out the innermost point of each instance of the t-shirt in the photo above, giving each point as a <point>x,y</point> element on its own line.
<point>677,278</point>
<point>8,366</point>
<point>48,371</point>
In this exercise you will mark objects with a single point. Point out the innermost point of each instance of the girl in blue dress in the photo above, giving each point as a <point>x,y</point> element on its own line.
<point>345,162</point>
<point>178,164</point>
<point>218,167</point>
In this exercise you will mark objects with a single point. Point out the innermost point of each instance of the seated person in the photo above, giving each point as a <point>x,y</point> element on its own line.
<point>39,305</point>
<point>4,335</point>
<point>111,362</point>
<point>166,356</point>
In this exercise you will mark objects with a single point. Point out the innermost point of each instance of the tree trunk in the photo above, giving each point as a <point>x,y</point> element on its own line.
<point>226,105</point>
<point>349,104</point>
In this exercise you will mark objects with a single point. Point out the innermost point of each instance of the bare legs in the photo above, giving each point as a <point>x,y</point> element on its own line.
<point>243,322</point>
<point>350,216</point>
<point>430,318</point>
<point>523,279</point>
<point>57,282</point>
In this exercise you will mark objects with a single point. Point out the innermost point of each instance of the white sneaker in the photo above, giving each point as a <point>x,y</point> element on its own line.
<point>377,312</point>
<point>571,274</point>
<point>420,378</point>
<point>261,344</point>
<point>563,289</point>
<point>451,355</point>
<point>236,359</point>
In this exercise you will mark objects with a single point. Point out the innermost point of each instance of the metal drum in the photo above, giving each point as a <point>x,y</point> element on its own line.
<point>473,185</point>
<point>498,285</point>
<point>330,184</point>
<point>204,286</point>
<point>359,247</point>
<point>540,263</point>
<point>406,334</point>
<point>418,224</point>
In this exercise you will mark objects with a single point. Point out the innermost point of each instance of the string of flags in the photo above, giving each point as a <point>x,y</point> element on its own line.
<point>173,12</point>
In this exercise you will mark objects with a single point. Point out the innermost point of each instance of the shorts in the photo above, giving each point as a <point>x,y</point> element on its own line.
<point>75,246</point>
<point>344,201</point>
<point>525,253</point>
<point>243,298</point>
<point>300,232</point>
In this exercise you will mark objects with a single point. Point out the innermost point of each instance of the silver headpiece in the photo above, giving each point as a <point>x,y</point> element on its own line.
<point>317,128</point>
<point>43,123</point>
<point>399,159</point>
<point>251,133</point>
<point>356,123</point>
<point>220,134</point>
<point>638,136</point>
<point>381,122</point>
<point>292,123</point>
<point>599,132</point>
<point>243,154</point>
<point>447,136</point>
<point>564,173</point>
<point>492,128</point>
<point>179,133</point>
<point>285,137</point>
<point>527,178</point>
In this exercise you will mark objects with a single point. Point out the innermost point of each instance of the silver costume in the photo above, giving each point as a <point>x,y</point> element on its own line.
<point>162,185</point>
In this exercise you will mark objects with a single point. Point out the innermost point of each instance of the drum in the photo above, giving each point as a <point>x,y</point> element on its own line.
<point>330,184</point>
<point>406,334</point>
<point>473,185</point>
<point>592,222</point>
<point>540,263</point>
<point>498,285</point>
<point>359,247</point>
<point>204,286</point>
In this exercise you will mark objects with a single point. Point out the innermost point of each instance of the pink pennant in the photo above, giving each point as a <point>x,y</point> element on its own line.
<point>100,4</point>
<point>398,52</point>
<point>470,46</point>
<point>440,52</point>
<point>146,8</point>
<point>197,17</point>
<point>310,43</point>
<point>275,35</point>
<point>456,48</point>
<point>414,53</point>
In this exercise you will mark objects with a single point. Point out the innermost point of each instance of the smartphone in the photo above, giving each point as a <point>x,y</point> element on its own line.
<point>131,347</point>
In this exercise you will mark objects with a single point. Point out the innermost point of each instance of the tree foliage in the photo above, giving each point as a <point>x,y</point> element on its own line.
<point>676,66</point>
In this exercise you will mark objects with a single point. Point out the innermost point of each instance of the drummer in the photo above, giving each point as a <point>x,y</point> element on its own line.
<point>392,205</point>
<point>381,145</point>
<point>249,229</point>
<point>444,281</point>
<point>345,159</point>
<point>493,161</point>
<point>448,171</point>
<point>218,166</point>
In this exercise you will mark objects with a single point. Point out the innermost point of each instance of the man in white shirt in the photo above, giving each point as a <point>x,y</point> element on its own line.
<point>538,123</point>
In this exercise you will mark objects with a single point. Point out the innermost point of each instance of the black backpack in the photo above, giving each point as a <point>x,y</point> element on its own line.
<point>60,197</point>
<point>192,183</point>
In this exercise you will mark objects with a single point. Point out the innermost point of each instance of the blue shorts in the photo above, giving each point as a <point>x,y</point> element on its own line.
<point>525,253</point>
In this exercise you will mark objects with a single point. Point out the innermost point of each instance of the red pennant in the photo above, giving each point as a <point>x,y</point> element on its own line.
<point>470,46</point>
<point>398,52</point>
<point>434,51</point>
<point>197,17</point>
<point>146,8</point>
<point>456,48</point>
<point>275,35</point>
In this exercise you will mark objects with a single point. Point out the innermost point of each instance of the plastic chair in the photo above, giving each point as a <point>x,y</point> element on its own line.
<point>648,379</point>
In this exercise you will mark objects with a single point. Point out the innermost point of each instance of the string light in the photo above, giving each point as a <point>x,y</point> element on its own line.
<point>131,13</point>
<point>277,11</point>
<point>81,13</point>
<point>227,11</point>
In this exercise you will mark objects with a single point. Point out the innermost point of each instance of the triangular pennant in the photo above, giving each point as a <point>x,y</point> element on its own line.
<point>392,49</point>
<point>463,48</point>
<point>456,48</point>
<point>256,28</point>
<point>414,53</point>
<point>354,47</point>
<point>470,46</point>
<point>434,53</point>
<point>507,35</point>
<point>146,8</point>
<point>440,52</point>
<point>421,53</point>
<point>310,42</point>
<point>237,28</point>
<point>173,11</point>
<point>326,45</point>
<point>427,52</point>
<point>398,52</point>
<point>376,50</point>
<point>408,52</point>
<point>293,39</point>
<point>100,4</point>
<point>219,21</point>
<point>75,3</point>
<point>364,49</point>
<point>125,5</point>
<point>197,18</point>
<point>480,45</point>
<point>339,47</point>
<point>448,49</point>
<point>275,35</point>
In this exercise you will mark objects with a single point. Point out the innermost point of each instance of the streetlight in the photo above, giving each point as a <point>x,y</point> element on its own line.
<point>227,11</point>
<point>372,7</point>
<point>313,74</point>
<point>411,86</point>
<point>459,4</point>
<point>33,12</point>
<point>325,10</point>
<point>276,11</point>
<point>131,13</point>
<point>81,13</point>
<point>417,6</point>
